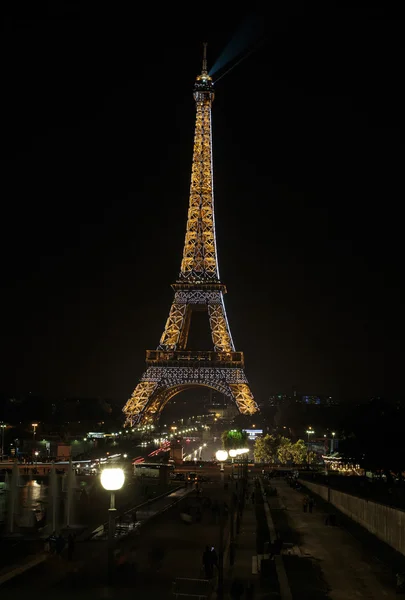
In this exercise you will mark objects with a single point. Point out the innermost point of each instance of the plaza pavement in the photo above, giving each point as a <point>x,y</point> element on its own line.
<point>324,561</point>
<point>317,562</point>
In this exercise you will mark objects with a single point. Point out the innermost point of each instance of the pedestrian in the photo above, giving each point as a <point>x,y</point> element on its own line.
<point>156,556</point>
<point>234,499</point>
<point>278,544</point>
<point>305,504</point>
<point>207,563</point>
<point>250,591</point>
<point>215,511</point>
<point>70,545</point>
<point>52,542</point>
<point>400,583</point>
<point>214,557</point>
<point>132,559</point>
<point>232,552</point>
<point>310,504</point>
<point>237,589</point>
<point>60,544</point>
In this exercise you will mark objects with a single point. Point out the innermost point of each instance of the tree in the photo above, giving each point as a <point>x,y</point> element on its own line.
<point>299,452</point>
<point>265,449</point>
<point>234,438</point>
<point>284,450</point>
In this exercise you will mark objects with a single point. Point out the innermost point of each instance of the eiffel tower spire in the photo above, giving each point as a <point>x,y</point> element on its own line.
<point>199,262</point>
<point>173,368</point>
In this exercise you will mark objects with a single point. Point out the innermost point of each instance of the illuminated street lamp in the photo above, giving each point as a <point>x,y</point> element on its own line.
<point>232,454</point>
<point>111,480</point>
<point>221,456</point>
<point>309,432</point>
<point>2,427</point>
<point>332,442</point>
<point>34,432</point>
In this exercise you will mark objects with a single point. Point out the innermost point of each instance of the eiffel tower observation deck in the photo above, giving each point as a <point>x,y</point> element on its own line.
<point>172,367</point>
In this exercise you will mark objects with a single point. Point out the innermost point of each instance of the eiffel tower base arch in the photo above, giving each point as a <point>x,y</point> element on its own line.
<point>158,385</point>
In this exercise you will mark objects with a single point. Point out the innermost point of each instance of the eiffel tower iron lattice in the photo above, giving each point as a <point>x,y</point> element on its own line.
<point>173,368</point>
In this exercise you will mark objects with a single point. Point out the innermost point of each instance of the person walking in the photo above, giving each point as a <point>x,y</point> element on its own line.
<point>52,542</point>
<point>60,544</point>
<point>207,563</point>
<point>70,546</point>
<point>215,511</point>
<point>132,560</point>
<point>214,557</point>
<point>237,589</point>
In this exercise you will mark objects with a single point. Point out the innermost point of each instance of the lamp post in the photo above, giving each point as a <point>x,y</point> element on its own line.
<point>221,456</point>
<point>309,432</point>
<point>332,442</point>
<point>232,454</point>
<point>111,480</point>
<point>34,433</point>
<point>2,427</point>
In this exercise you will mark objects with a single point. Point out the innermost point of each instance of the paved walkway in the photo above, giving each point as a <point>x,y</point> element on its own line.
<point>183,544</point>
<point>323,561</point>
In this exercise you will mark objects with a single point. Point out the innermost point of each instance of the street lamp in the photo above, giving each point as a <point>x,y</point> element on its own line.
<point>232,454</point>
<point>309,432</point>
<point>221,456</point>
<point>34,432</point>
<point>2,427</point>
<point>111,480</point>
<point>332,442</point>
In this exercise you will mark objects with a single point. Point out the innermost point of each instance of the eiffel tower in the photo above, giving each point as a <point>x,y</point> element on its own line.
<point>173,368</point>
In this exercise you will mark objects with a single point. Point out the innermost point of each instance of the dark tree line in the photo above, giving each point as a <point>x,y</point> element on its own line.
<point>372,434</point>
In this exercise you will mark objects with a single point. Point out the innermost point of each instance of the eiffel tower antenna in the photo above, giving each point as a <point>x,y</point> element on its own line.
<point>172,367</point>
<point>204,64</point>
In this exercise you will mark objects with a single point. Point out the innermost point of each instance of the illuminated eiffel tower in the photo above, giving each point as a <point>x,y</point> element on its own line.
<point>172,368</point>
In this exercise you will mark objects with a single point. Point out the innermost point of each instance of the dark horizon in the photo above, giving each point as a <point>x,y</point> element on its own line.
<point>96,161</point>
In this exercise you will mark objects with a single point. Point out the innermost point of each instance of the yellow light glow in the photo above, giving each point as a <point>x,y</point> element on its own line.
<point>112,479</point>
<point>221,455</point>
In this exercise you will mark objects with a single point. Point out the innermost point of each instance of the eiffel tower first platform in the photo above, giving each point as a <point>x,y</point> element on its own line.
<point>172,368</point>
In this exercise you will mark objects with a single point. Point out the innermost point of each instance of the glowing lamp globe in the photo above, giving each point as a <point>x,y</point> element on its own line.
<point>233,453</point>
<point>112,479</point>
<point>221,455</point>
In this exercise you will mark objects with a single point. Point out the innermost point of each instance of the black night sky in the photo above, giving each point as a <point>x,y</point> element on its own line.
<point>96,148</point>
